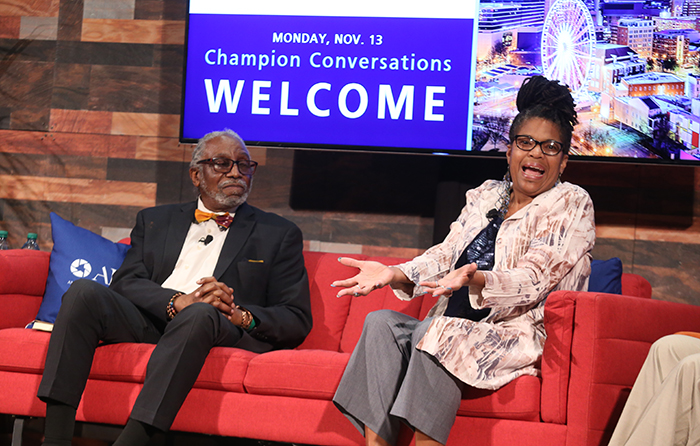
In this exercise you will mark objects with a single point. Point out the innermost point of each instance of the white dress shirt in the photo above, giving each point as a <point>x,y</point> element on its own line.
<point>197,259</point>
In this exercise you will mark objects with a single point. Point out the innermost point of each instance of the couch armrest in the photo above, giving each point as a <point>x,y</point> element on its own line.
<point>23,276</point>
<point>556,360</point>
<point>606,338</point>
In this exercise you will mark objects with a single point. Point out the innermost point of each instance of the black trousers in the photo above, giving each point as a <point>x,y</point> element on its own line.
<point>91,313</point>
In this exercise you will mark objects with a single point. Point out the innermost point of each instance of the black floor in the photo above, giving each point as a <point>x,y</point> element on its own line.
<point>104,435</point>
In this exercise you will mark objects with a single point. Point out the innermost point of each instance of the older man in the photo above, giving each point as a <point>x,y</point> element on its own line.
<point>215,272</point>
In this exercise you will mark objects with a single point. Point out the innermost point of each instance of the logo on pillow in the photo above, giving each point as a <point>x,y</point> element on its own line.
<point>80,268</point>
<point>77,254</point>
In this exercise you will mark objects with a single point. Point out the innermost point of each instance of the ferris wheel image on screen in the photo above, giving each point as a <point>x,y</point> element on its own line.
<point>568,40</point>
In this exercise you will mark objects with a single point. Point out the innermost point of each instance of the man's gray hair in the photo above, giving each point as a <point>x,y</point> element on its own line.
<point>202,144</point>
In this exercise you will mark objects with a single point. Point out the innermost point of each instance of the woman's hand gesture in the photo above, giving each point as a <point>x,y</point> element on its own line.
<point>451,282</point>
<point>372,275</point>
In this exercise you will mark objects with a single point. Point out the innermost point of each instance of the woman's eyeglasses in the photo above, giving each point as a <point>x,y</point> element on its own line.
<point>549,147</point>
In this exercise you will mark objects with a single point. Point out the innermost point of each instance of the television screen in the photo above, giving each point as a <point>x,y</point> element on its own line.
<point>441,76</point>
<point>383,74</point>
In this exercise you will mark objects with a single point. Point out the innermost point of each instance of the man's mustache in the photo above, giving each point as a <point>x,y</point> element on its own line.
<point>232,182</point>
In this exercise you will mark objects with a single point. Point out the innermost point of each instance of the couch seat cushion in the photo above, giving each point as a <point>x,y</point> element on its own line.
<point>311,374</point>
<point>224,369</point>
<point>517,400</point>
<point>23,350</point>
<point>121,362</point>
<point>315,374</point>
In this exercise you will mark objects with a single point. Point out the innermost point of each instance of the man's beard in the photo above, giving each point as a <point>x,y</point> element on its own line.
<point>229,201</point>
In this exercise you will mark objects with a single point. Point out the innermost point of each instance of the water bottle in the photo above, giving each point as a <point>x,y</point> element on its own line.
<point>3,241</point>
<point>31,242</point>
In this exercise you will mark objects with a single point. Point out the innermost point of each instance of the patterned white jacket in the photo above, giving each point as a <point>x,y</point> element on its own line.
<point>543,247</point>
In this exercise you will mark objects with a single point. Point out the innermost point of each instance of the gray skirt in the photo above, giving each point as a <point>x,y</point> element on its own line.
<point>388,381</point>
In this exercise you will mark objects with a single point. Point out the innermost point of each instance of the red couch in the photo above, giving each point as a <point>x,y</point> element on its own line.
<point>596,345</point>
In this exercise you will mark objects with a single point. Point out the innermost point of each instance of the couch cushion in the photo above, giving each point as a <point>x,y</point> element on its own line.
<point>224,368</point>
<point>517,400</point>
<point>361,306</point>
<point>635,285</point>
<point>329,313</point>
<point>311,374</point>
<point>338,321</point>
<point>22,282</point>
<point>23,272</point>
<point>18,309</point>
<point>315,374</point>
<point>23,350</point>
<point>381,299</point>
<point>121,362</point>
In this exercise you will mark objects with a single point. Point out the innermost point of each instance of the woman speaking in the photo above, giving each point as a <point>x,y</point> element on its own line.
<point>515,241</point>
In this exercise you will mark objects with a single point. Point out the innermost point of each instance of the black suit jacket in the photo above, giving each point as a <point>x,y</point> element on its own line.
<point>261,260</point>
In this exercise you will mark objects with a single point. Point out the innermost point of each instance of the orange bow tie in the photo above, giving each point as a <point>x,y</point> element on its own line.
<point>223,220</point>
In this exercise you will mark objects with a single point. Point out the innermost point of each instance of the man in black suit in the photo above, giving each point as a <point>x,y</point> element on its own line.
<point>216,272</point>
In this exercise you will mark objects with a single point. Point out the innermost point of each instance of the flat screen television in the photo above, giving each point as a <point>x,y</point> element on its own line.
<point>436,77</point>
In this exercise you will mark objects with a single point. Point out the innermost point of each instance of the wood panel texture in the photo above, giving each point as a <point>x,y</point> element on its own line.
<point>77,190</point>
<point>52,165</point>
<point>133,31</point>
<point>57,143</point>
<point>108,9</point>
<point>89,120</point>
<point>29,8</point>
<point>39,28</point>
<point>80,121</point>
<point>71,87</point>
<point>70,20</point>
<point>9,27</point>
<point>145,124</point>
<point>160,10</point>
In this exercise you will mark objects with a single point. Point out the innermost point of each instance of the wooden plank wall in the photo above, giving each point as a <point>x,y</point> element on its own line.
<point>89,117</point>
<point>89,113</point>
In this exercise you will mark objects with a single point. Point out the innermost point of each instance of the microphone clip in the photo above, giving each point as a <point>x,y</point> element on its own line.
<point>493,213</point>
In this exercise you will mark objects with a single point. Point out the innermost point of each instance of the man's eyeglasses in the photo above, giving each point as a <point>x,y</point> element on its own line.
<point>549,147</point>
<point>224,165</point>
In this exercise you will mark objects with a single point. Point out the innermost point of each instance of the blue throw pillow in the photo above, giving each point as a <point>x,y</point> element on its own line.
<point>606,276</point>
<point>77,254</point>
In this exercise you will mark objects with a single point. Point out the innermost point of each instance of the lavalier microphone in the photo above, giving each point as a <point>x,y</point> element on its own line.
<point>493,213</point>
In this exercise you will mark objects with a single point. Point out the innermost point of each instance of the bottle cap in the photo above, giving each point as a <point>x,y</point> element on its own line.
<point>32,235</point>
<point>3,234</point>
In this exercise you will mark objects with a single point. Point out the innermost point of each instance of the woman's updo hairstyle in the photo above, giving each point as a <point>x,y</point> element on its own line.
<point>541,98</point>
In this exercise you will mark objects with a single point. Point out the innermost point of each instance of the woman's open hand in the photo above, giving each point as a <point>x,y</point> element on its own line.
<point>372,275</point>
<point>451,282</point>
